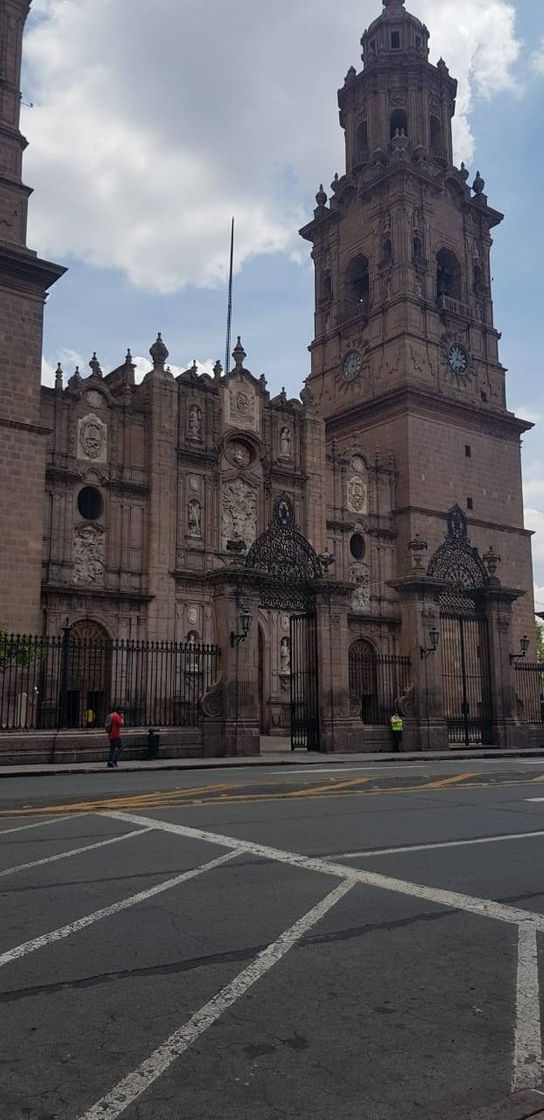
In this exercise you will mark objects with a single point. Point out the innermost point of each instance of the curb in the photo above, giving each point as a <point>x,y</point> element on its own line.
<point>253,762</point>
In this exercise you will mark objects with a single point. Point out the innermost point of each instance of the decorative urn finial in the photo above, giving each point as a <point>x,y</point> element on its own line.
<point>159,352</point>
<point>94,364</point>
<point>239,355</point>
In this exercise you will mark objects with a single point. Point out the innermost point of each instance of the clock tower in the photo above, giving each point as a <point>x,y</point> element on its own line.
<point>402,248</point>
<point>405,366</point>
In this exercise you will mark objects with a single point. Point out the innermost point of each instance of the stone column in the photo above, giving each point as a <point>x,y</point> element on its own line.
<point>231,708</point>
<point>339,729</point>
<point>506,731</point>
<point>423,705</point>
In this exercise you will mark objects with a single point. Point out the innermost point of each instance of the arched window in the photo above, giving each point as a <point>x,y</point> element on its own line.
<point>361,154</point>
<point>448,275</point>
<point>363,680</point>
<point>387,251</point>
<point>357,280</point>
<point>436,137</point>
<point>398,123</point>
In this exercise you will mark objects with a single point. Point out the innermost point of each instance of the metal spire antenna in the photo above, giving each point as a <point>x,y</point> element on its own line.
<point>229,309</point>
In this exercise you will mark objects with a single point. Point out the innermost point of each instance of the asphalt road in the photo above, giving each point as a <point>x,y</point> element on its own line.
<point>358,944</point>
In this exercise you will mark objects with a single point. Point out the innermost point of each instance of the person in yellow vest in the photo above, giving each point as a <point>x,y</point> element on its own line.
<point>397,728</point>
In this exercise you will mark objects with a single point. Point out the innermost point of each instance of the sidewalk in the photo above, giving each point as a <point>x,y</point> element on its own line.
<point>271,756</point>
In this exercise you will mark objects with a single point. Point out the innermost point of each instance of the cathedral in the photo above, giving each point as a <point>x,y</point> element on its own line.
<point>355,550</point>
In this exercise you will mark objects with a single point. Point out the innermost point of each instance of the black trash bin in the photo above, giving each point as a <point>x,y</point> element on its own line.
<point>153,743</point>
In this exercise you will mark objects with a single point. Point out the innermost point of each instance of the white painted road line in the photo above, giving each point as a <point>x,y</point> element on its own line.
<point>440,844</point>
<point>528,1067</point>
<point>41,824</point>
<point>74,852</point>
<point>483,908</point>
<point>131,1088</point>
<point>74,927</point>
<point>534,798</point>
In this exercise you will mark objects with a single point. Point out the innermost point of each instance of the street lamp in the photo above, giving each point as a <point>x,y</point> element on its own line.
<point>434,639</point>
<point>524,646</point>
<point>245,626</point>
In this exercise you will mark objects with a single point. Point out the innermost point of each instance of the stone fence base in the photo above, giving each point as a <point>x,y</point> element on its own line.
<point>45,747</point>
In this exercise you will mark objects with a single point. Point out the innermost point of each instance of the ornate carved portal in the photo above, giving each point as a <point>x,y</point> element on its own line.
<point>465,636</point>
<point>285,562</point>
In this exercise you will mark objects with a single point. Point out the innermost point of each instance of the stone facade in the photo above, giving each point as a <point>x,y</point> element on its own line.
<point>144,494</point>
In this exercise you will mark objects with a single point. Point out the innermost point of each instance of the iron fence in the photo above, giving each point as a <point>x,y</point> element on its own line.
<point>529,689</point>
<point>377,682</point>
<point>68,682</point>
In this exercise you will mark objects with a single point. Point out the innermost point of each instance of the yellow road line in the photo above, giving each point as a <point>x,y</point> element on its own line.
<point>179,799</point>
<point>332,787</point>
<point>441,783</point>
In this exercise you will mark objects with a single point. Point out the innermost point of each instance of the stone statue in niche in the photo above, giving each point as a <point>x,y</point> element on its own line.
<point>194,518</point>
<point>92,439</point>
<point>359,574</point>
<point>285,656</point>
<point>357,495</point>
<point>89,555</point>
<point>194,424</point>
<point>285,443</point>
<point>238,513</point>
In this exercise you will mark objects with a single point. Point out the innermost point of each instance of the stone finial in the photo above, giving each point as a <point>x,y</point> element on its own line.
<point>335,182</point>
<point>159,352</point>
<point>491,560</point>
<point>417,546</point>
<point>59,378</point>
<point>321,198</point>
<point>239,355</point>
<point>194,367</point>
<point>464,171</point>
<point>478,185</point>
<point>283,395</point>
<point>96,369</point>
<point>217,370</point>
<point>128,358</point>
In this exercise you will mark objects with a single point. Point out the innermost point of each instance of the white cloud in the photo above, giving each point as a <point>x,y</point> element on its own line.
<point>68,359</point>
<point>154,123</point>
<point>537,59</point>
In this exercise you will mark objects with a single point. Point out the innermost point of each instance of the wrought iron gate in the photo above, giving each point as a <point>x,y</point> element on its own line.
<point>466,676</point>
<point>304,683</point>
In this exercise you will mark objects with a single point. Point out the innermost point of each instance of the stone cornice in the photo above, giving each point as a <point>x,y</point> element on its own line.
<point>428,511</point>
<point>424,401</point>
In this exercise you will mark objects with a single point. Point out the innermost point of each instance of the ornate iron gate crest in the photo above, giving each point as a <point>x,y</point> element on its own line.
<point>286,562</point>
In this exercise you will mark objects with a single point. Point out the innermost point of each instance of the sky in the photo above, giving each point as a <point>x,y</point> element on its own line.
<point>151,124</point>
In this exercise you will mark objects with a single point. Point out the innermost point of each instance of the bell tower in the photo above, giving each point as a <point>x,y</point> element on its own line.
<point>405,366</point>
<point>24,282</point>
<point>401,249</point>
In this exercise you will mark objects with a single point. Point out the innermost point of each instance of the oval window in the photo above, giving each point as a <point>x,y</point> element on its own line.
<point>357,546</point>
<point>89,503</point>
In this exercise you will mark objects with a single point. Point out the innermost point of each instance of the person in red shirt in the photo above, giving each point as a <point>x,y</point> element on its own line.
<point>114,723</point>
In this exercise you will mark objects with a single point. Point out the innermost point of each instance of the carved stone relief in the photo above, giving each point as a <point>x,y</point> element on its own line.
<point>237,453</point>
<point>285,656</point>
<point>357,495</point>
<point>359,574</point>
<point>89,555</point>
<point>92,439</point>
<point>194,424</point>
<point>286,440</point>
<point>241,406</point>
<point>194,519</point>
<point>238,513</point>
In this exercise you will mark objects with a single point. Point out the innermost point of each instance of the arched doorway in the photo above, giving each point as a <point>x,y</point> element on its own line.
<point>85,695</point>
<point>466,677</point>
<point>363,680</point>
<point>287,568</point>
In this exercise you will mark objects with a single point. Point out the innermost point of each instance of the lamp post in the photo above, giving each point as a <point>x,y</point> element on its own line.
<point>524,646</point>
<point>246,619</point>
<point>434,637</point>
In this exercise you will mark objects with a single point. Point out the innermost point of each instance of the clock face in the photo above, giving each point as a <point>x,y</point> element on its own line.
<point>351,365</point>
<point>458,358</point>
